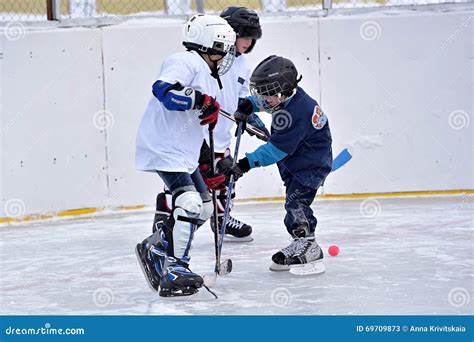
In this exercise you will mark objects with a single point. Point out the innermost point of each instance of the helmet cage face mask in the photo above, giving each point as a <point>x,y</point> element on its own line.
<point>268,89</point>
<point>227,62</point>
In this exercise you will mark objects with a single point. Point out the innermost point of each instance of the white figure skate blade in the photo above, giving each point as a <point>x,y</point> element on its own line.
<point>315,267</point>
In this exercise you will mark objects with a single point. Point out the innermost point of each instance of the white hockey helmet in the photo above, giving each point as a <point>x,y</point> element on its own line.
<point>210,34</point>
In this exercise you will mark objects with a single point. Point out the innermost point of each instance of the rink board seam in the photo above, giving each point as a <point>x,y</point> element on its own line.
<point>87,211</point>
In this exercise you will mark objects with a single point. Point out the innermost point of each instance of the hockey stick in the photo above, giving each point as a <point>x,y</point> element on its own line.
<point>225,266</point>
<point>248,127</point>
<point>230,187</point>
<point>221,268</point>
<point>342,158</point>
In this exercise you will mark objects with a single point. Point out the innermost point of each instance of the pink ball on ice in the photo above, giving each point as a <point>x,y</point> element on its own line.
<point>333,250</point>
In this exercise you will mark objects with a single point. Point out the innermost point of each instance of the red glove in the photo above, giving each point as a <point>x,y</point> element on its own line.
<point>213,182</point>
<point>209,111</point>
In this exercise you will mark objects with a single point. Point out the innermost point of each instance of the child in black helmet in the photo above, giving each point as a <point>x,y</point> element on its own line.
<point>300,144</point>
<point>246,25</point>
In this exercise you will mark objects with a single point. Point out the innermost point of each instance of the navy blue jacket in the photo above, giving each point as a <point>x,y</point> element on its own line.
<point>301,129</point>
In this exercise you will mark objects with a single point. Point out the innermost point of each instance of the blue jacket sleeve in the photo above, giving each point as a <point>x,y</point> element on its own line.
<point>254,119</point>
<point>175,96</point>
<point>266,154</point>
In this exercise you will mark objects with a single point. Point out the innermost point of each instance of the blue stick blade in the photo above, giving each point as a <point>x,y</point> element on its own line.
<point>342,158</point>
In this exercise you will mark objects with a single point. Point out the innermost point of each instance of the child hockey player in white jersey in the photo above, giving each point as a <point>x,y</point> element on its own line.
<point>300,144</point>
<point>169,138</point>
<point>246,25</point>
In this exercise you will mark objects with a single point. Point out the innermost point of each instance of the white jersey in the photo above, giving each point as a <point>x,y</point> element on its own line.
<point>171,140</point>
<point>235,84</point>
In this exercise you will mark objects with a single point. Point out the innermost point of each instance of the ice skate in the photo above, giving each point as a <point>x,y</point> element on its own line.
<point>150,260</point>
<point>302,257</point>
<point>236,230</point>
<point>178,280</point>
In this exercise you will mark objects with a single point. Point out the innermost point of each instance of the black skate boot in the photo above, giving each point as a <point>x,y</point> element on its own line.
<point>302,256</point>
<point>163,210</point>
<point>236,231</point>
<point>151,254</point>
<point>178,279</point>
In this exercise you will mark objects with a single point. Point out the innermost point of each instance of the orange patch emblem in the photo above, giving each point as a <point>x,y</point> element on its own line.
<point>319,118</point>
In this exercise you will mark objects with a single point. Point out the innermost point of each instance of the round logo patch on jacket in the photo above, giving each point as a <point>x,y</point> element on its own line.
<point>318,119</point>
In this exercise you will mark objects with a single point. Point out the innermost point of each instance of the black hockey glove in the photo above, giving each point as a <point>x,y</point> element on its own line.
<point>243,113</point>
<point>244,110</point>
<point>225,166</point>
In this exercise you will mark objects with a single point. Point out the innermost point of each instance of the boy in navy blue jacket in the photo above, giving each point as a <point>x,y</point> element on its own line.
<point>300,144</point>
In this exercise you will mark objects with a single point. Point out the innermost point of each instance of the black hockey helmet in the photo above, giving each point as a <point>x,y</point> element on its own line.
<point>245,23</point>
<point>274,76</point>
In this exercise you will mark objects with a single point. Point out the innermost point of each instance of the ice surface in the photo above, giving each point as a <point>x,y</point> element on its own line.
<point>398,256</point>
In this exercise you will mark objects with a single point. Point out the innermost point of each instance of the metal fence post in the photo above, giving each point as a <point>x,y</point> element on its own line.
<point>53,9</point>
<point>200,6</point>
<point>327,4</point>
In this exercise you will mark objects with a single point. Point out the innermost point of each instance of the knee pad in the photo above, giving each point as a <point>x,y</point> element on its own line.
<point>190,201</point>
<point>183,222</point>
<point>207,210</point>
